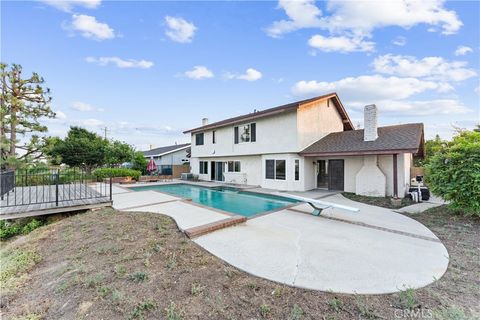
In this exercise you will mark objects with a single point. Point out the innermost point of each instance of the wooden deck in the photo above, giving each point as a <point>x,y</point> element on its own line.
<point>41,200</point>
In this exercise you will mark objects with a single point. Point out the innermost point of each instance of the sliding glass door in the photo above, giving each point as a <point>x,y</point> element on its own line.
<point>217,170</point>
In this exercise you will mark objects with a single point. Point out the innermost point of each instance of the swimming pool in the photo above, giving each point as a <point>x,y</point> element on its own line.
<point>224,198</point>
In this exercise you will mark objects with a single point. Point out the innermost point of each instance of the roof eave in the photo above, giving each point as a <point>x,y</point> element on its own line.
<point>358,153</point>
<point>168,152</point>
<point>246,119</point>
<point>288,108</point>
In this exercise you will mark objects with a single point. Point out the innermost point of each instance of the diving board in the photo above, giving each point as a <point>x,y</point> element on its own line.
<point>319,205</point>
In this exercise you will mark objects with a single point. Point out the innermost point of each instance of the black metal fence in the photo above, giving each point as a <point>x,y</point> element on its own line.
<point>24,187</point>
<point>7,182</point>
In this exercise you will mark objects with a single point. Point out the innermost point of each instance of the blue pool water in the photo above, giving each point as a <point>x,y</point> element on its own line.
<point>224,198</point>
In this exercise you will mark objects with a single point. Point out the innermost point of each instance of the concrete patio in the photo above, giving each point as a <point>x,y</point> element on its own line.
<point>373,251</point>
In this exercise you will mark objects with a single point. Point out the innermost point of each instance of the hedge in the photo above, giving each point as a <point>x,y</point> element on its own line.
<point>454,172</point>
<point>116,172</point>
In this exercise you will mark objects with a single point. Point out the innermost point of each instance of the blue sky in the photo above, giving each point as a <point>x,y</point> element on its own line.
<point>149,70</point>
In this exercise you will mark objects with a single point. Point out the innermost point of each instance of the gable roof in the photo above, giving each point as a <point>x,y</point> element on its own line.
<point>391,139</point>
<point>278,110</point>
<point>165,150</point>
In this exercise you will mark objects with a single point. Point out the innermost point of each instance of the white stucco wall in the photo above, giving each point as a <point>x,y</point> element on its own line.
<point>274,134</point>
<point>316,120</point>
<point>352,166</point>
<point>370,180</point>
<point>289,184</point>
<point>250,166</point>
<point>385,163</point>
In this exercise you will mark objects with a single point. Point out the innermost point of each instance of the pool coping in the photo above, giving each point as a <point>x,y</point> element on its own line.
<point>214,226</point>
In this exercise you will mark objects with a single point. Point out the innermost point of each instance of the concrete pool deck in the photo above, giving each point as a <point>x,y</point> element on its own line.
<point>373,251</point>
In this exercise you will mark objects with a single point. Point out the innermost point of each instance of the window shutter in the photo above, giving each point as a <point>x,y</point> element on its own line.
<point>253,132</point>
<point>235,131</point>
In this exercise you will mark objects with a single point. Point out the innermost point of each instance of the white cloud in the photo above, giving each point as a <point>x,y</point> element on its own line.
<point>249,75</point>
<point>463,50</point>
<point>356,20</point>
<point>60,115</point>
<point>199,72</point>
<point>301,13</point>
<point>374,87</point>
<point>90,28</point>
<point>416,107</point>
<point>433,68</point>
<point>179,30</point>
<point>60,118</point>
<point>364,16</point>
<point>399,41</point>
<point>90,123</point>
<point>84,107</point>
<point>67,6</point>
<point>341,44</point>
<point>120,63</point>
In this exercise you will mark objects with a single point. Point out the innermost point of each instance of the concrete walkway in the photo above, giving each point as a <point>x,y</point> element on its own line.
<point>373,251</point>
<point>186,215</point>
<point>422,206</point>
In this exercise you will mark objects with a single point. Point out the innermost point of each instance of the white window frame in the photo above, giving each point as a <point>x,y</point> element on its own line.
<point>294,169</point>
<point>249,124</point>
<point>239,164</point>
<point>201,166</point>
<point>249,133</point>
<point>275,169</point>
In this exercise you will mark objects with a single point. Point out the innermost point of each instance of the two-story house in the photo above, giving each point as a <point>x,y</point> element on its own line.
<point>306,145</point>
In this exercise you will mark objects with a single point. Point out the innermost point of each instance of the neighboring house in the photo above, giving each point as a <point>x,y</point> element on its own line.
<point>167,157</point>
<point>306,145</point>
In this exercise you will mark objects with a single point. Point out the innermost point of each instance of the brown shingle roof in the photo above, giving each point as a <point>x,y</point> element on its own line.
<point>391,139</point>
<point>277,110</point>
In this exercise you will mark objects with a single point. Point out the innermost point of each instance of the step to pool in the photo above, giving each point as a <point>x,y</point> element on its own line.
<point>214,226</point>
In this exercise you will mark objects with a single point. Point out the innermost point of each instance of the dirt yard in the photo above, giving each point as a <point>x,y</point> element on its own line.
<point>385,202</point>
<point>116,265</point>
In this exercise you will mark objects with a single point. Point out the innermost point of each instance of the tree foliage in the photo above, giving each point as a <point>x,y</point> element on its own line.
<point>432,147</point>
<point>118,152</point>
<point>85,149</point>
<point>139,162</point>
<point>23,102</point>
<point>454,172</point>
<point>80,148</point>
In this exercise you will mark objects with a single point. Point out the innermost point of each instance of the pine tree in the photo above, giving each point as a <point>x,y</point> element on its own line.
<point>23,102</point>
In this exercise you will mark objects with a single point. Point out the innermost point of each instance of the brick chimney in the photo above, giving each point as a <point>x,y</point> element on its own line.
<point>370,123</point>
<point>204,121</point>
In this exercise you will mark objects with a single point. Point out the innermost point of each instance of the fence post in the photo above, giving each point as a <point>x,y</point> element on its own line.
<point>110,188</point>
<point>56,187</point>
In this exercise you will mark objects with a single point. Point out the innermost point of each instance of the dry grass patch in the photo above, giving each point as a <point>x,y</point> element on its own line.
<point>122,265</point>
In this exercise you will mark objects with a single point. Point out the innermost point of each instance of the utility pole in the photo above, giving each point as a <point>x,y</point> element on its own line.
<point>105,129</point>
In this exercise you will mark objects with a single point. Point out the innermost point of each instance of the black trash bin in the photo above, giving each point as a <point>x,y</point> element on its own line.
<point>424,190</point>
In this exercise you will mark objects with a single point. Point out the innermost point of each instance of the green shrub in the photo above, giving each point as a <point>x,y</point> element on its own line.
<point>104,173</point>
<point>8,230</point>
<point>454,172</point>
